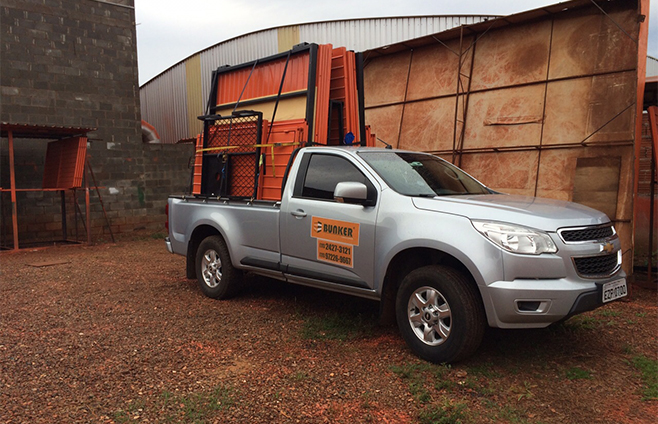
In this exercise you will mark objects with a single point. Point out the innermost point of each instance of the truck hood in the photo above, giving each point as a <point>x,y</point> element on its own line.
<point>534,212</point>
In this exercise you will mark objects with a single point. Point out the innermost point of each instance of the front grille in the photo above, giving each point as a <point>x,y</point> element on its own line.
<point>587,234</point>
<point>597,266</point>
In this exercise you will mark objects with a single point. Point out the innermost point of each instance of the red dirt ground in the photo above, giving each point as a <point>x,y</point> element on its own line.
<point>117,334</point>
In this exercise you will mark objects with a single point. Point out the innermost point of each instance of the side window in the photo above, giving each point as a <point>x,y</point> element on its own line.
<point>324,172</point>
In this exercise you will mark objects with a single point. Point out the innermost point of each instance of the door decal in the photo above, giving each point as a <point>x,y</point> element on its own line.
<point>336,240</point>
<point>333,230</point>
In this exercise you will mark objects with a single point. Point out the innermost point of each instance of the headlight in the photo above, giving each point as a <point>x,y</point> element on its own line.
<point>516,239</point>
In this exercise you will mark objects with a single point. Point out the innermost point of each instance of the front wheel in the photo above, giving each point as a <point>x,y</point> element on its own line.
<point>215,273</point>
<point>440,314</point>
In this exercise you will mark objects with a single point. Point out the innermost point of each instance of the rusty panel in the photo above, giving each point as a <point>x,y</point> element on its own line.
<point>577,108</point>
<point>434,69</point>
<point>514,55</point>
<point>265,79</point>
<point>557,174</point>
<point>596,183</point>
<point>425,127</point>
<point>589,42</point>
<point>65,163</point>
<point>557,180</point>
<point>504,118</point>
<point>510,172</point>
<point>385,121</point>
<point>385,79</point>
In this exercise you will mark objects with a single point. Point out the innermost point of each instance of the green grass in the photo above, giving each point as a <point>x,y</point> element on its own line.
<point>420,375</point>
<point>199,407</point>
<point>443,414</point>
<point>513,415</point>
<point>649,369</point>
<point>336,326</point>
<point>581,322</point>
<point>485,370</point>
<point>628,349</point>
<point>608,313</point>
<point>575,373</point>
<point>121,416</point>
<point>300,376</point>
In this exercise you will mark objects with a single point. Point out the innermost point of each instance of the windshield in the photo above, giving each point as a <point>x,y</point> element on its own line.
<point>418,174</point>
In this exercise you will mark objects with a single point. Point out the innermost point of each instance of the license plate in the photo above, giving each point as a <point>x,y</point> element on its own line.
<point>614,290</point>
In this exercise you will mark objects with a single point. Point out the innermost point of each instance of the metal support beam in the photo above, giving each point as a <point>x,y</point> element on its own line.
<point>87,207</point>
<point>653,126</point>
<point>12,186</point>
<point>64,229</point>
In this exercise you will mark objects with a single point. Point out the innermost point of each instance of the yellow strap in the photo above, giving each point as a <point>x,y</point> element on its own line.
<point>215,149</point>
<point>272,145</point>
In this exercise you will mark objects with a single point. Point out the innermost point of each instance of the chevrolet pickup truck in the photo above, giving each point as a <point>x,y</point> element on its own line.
<point>444,253</point>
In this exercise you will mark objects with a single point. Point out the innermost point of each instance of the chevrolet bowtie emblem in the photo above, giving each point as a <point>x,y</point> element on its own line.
<point>607,247</point>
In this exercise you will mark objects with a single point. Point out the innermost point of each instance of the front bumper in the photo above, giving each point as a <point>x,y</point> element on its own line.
<point>170,249</point>
<point>540,303</point>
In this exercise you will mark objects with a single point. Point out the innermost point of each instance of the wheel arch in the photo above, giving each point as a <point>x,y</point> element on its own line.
<point>408,260</point>
<point>198,235</point>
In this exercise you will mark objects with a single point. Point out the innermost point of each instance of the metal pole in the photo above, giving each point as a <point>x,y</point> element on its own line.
<point>75,211</point>
<point>12,178</point>
<point>88,208</point>
<point>64,229</point>
<point>457,91</point>
<point>100,198</point>
<point>653,127</point>
<point>651,210</point>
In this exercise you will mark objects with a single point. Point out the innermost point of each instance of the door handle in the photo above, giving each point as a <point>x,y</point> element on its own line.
<point>298,213</point>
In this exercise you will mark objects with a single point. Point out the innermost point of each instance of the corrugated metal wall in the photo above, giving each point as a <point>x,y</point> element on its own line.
<point>652,66</point>
<point>164,105</point>
<point>365,34</point>
<point>172,100</point>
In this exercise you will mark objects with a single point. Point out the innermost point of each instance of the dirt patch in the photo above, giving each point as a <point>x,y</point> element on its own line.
<point>117,334</point>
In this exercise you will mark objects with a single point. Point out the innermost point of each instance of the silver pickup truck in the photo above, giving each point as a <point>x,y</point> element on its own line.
<point>441,251</point>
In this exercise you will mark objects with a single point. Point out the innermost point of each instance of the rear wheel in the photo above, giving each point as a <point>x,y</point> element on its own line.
<point>440,314</point>
<point>215,273</point>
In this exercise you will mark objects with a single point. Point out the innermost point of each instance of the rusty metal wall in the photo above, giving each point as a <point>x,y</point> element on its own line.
<point>522,106</point>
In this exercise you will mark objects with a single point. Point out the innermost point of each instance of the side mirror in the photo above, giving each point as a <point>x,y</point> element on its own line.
<point>352,192</point>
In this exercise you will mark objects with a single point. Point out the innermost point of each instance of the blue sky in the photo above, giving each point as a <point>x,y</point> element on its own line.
<point>168,31</point>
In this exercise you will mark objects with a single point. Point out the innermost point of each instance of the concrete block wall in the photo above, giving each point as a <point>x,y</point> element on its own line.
<point>73,63</point>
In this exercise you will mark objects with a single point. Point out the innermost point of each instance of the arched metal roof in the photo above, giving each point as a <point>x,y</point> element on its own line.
<point>172,100</point>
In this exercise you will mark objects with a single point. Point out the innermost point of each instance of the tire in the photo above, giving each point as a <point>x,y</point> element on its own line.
<point>440,314</point>
<point>215,273</point>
